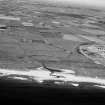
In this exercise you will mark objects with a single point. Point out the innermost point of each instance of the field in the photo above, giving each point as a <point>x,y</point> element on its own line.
<point>32,34</point>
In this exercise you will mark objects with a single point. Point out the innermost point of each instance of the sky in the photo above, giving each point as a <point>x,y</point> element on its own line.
<point>90,3</point>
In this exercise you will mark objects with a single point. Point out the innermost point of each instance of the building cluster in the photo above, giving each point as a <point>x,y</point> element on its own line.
<point>94,52</point>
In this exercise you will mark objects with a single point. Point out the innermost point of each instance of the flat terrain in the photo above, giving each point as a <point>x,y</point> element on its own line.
<point>32,34</point>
